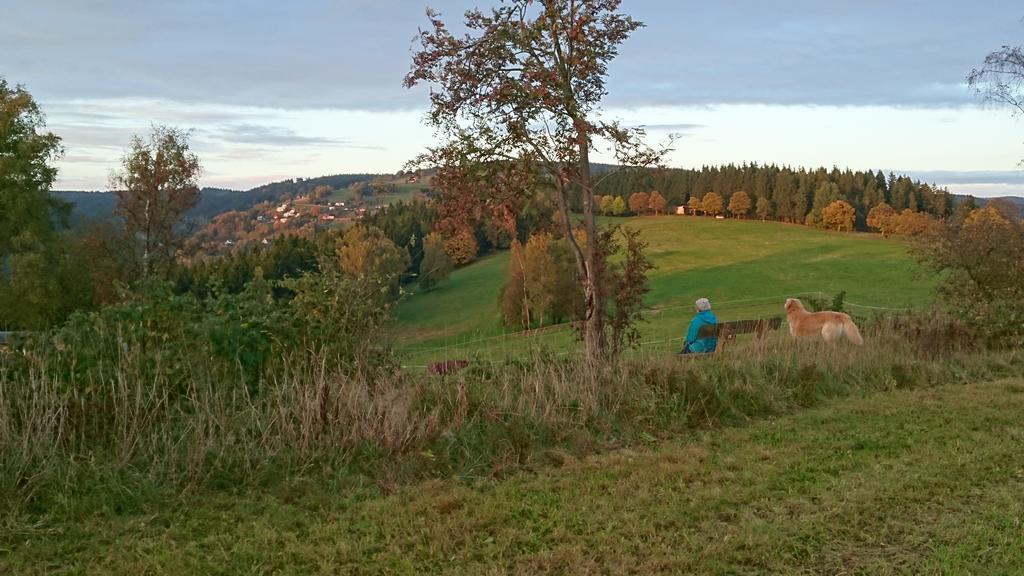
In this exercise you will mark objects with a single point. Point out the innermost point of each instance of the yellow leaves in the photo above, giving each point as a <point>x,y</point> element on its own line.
<point>712,203</point>
<point>461,246</point>
<point>987,216</point>
<point>740,203</point>
<point>839,215</point>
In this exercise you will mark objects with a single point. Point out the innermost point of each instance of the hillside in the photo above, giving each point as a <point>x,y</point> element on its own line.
<point>1016,200</point>
<point>214,201</point>
<point>331,204</point>
<point>747,269</point>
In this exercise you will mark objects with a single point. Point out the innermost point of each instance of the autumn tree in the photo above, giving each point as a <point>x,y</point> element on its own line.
<point>657,202</point>
<point>540,276</point>
<point>1006,207</point>
<point>694,204</point>
<point>539,283</point>
<point>515,310</point>
<point>365,252</point>
<point>521,88</point>
<point>739,204</point>
<point>839,215</point>
<point>461,246</point>
<point>882,218</point>
<point>638,202</point>
<point>155,186</point>
<point>606,204</point>
<point>320,192</point>
<point>911,223</point>
<point>982,261</point>
<point>618,206</point>
<point>712,204</point>
<point>436,265</point>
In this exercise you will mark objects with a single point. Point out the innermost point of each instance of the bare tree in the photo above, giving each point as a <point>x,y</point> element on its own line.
<point>1000,79</point>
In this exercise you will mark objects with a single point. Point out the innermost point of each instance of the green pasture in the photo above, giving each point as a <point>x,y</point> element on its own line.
<point>747,269</point>
<point>904,482</point>
<point>403,191</point>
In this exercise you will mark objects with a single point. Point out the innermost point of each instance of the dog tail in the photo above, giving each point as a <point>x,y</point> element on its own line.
<point>851,332</point>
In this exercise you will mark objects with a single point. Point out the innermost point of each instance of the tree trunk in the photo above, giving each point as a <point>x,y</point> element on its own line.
<point>146,246</point>
<point>593,328</point>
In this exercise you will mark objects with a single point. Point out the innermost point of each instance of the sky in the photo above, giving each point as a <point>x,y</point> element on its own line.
<point>274,90</point>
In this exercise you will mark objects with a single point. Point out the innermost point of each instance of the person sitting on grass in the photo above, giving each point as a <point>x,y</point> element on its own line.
<point>694,344</point>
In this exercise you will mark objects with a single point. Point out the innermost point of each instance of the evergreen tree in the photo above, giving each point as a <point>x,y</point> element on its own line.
<point>825,194</point>
<point>764,208</point>
<point>786,203</point>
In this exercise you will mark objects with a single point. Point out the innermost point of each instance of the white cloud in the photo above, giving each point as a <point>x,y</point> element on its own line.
<point>240,146</point>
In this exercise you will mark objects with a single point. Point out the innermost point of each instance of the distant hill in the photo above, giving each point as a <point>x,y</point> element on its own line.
<point>88,205</point>
<point>1017,200</point>
<point>214,201</point>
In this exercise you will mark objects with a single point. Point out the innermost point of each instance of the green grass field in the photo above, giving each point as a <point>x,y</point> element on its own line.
<point>404,191</point>
<point>746,268</point>
<point>887,483</point>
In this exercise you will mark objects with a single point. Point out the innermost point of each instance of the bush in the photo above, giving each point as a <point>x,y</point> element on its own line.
<point>981,257</point>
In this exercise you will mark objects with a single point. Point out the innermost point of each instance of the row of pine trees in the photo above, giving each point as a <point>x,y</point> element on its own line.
<point>783,193</point>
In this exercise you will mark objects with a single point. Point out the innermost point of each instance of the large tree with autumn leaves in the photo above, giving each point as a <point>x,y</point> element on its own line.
<point>516,104</point>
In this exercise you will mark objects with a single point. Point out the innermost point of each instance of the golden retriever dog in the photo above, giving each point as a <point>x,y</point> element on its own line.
<point>829,325</point>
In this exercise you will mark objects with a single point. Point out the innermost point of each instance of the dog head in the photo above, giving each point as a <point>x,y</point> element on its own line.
<point>793,305</point>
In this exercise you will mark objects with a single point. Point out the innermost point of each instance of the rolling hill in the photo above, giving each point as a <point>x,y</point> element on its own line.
<point>214,201</point>
<point>747,269</point>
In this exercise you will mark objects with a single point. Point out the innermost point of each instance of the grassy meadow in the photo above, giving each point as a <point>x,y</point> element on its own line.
<point>777,456</point>
<point>746,267</point>
<point>887,483</point>
<point>403,191</point>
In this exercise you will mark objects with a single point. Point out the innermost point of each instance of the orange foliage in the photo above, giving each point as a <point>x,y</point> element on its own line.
<point>461,246</point>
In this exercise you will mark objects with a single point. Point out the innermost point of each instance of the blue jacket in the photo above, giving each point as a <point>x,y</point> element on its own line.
<point>700,345</point>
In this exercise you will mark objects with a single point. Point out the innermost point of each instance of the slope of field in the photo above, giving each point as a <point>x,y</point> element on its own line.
<point>746,268</point>
<point>908,482</point>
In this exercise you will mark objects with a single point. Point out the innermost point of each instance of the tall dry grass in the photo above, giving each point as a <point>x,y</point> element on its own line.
<point>131,426</point>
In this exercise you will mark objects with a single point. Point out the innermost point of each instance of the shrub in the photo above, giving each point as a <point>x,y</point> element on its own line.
<point>982,258</point>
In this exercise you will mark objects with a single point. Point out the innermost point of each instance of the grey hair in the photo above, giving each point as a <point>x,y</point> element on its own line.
<point>703,304</point>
